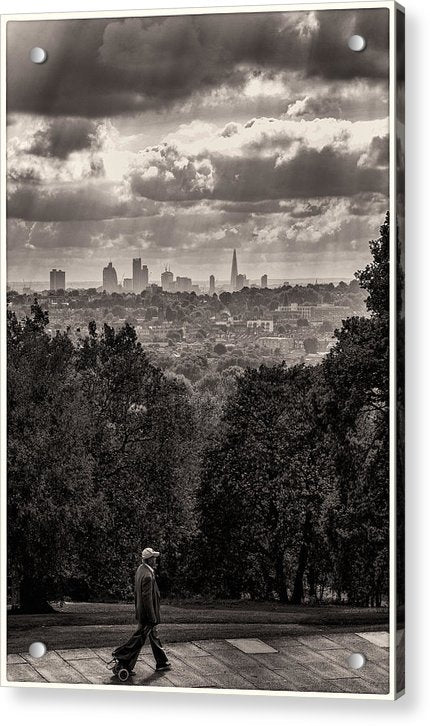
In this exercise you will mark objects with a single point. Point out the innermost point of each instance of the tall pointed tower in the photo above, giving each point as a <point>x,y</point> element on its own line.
<point>233,278</point>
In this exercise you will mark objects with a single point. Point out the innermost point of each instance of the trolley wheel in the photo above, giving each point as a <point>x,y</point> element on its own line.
<point>123,674</point>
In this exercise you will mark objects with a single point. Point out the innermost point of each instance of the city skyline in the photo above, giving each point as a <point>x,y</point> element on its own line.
<point>140,279</point>
<point>286,160</point>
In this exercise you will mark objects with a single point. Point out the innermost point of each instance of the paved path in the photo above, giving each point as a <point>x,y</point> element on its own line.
<point>300,663</point>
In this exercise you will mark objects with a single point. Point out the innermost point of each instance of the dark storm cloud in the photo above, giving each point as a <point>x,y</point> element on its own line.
<point>63,136</point>
<point>100,67</point>
<point>366,204</point>
<point>379,151</point>
<point>310,173</point>
<point>83,203</point>
<point>330,56</point>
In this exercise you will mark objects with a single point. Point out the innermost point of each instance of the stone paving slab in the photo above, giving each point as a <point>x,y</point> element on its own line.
<point>76,653</point>
<point>381,639</point>
<point>251,645</point>
<point>316,663</point>
<point>184,675</point>
<point>265,679</point>
<point>353,685</point>
<point>181,673</point>
<point>104,653</point>
<point>301,678</point>
<point>234,658</point>
<point>370,668</point>
<point>357,644</point>
<point>208,665</point>
<point>229,680</point>
<point>92,670</point>
<point>54,668</point>
<point>213,646</point>
<point>14,658</point>
<point>276,661</point>
<point>24,673</point>
<point>187,650</point>
<point>317,642</point>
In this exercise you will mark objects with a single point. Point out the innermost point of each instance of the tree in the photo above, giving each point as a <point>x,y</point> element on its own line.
<point>49,468</point>
<point>144,471</point>
<point>262,486</point>
<point>302,323</point>
<point>170,314</point>
<point>100,446</point>
<point>310,345</point>
<point>220,349</point>
<point>356,374</point>
<point>375,278</point>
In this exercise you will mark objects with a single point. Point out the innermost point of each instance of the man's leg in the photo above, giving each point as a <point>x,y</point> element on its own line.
<point>157,648</point>
<point>128,653</point>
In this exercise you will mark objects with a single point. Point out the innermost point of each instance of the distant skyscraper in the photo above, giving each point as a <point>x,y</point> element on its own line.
<point>264,281</point>
<point>137,271</point>
<point>138,276</point>
<point>183,284</point>
<point>57,280</point>
<point>211,285</point>
<point>110,279</point>
<point>167,280</point>
<point>128,284</point>
<point>241,281</point>
<point>233,278</point>
<point>145,277</point>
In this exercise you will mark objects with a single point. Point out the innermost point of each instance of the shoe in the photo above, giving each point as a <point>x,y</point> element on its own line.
<point>164,667</point>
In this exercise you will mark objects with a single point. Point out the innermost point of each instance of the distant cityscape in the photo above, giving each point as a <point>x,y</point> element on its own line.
<point>139,281</point>
<point>193,328</point>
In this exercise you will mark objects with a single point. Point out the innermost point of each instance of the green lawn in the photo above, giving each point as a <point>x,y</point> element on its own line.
<point>107,624</point>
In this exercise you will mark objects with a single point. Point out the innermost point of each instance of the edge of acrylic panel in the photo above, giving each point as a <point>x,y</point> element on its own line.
<point>393,7</point>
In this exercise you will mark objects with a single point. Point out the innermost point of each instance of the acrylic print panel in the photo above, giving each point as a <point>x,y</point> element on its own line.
<point>201,351</point>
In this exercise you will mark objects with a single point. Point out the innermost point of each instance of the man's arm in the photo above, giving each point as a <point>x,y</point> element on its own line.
<point>147,601</point>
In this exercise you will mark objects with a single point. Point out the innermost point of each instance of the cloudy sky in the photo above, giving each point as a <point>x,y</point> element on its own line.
<point>180,138</point>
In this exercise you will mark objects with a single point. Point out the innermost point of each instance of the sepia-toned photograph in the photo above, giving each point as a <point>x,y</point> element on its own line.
<point>201,253</point>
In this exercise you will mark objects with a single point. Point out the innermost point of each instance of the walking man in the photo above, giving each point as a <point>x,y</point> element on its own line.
<point>147,607</point>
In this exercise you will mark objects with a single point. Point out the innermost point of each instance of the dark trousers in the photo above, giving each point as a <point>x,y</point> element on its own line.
<point>128,653</point>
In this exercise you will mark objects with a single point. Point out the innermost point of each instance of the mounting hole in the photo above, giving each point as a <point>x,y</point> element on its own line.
<point>356,660</point>
<point>357,43</point>
<point>37,650</point>
<point>38,55</point>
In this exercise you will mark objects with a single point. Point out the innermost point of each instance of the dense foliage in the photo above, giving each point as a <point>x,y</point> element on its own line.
<point>263,483</point>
